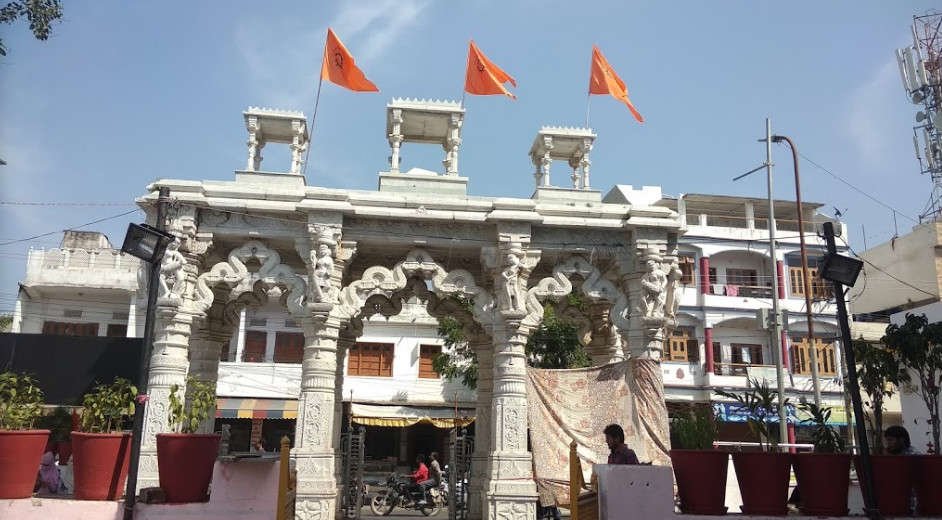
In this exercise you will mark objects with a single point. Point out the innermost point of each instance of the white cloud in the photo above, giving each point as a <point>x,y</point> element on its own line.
<point>284,58</point>
<point>871,106</point>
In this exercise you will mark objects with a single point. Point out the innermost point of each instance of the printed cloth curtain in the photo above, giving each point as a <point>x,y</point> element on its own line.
<point>567,405</point>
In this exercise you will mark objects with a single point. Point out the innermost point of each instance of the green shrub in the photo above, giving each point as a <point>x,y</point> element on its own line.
<point>108,406</point>
<point>21,401</point>
<point>695,430</point>
<point>200,400</point>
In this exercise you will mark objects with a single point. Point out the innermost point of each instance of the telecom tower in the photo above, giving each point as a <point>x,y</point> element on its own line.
<point>920,67</point>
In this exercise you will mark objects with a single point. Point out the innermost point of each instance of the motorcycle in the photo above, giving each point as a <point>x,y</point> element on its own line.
<point>400,493</point>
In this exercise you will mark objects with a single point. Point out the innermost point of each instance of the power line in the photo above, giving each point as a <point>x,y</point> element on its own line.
<point>858,190</point>
<point>91,204</point>
<point>871,264</point>
<point>34,237</point>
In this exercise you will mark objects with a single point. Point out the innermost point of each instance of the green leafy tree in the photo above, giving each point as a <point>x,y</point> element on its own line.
<point>554,344</point>
<point>880,372</point>
<point>39,13</point>
<point>918,344</point>
<point>762,404</point>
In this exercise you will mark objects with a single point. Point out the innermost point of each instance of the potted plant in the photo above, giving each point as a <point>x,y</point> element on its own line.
<point>102,450</point>
<point>919,346</point>
<point>823,475</point>
<point>59,422</point>
<point>185,458</point>
<point>21,447</point>
<point>763,476</point>
<point>699,469</point>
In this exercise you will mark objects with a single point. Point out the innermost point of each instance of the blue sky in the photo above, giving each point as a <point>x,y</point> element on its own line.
<point>127,92</point>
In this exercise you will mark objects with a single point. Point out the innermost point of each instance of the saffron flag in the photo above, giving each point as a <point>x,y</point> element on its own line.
<point>604,80</point>
<point>339,66</point>
<point>484,77</point>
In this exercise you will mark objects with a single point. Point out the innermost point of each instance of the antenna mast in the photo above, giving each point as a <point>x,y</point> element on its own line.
<point>920,67</point>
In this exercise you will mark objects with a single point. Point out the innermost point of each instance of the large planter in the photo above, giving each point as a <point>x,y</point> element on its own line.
<point>823,483</point>
<point>927,474</point>
<point>20,454</point>
<point>763,482</point>
<point>892,482</point>
<point>100,464</point>
<point>701,480</point>
<point>185,465</point>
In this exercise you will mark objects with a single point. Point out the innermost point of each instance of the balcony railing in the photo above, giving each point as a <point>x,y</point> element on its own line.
<point>741,369</point>
<point>744,291</point>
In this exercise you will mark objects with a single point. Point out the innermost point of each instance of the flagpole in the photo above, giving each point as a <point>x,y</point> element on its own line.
<point>310,130</point>
<point>588,98</point>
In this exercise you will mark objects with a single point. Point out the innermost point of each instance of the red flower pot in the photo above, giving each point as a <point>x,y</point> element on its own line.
<point>701,480</point>
<point>892,482</point>
<point>20,453</point>
<point>823,483</point>
<point>64,449</point>
<point>763,482</point>
<point>185,465</point>
<point>100,464</point>
<point>927,474</point>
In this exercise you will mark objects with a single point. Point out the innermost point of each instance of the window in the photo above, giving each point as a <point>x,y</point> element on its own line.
<point>819,288</point>
<point>117,330</point>
<point>289,347</point>
<point>682,346</point>
<point>371,359</point>
<point>742,277</point>
<point>427,353</point>
<point>686,264</point>
<point>718,358</point>
<point>745,354</point>
<point>712,275</point>
<point>61,328</point>
<point>801,357</point>
<point>254,351</point>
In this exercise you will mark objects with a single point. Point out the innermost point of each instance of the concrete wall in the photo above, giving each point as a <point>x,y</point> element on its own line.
<point>911,257</point>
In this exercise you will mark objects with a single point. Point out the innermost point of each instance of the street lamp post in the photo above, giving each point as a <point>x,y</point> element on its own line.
<point>812,345</point>
<point>841,271</point>
<point>147,243</point>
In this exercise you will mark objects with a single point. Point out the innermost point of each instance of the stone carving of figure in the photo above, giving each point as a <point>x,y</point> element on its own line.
<point>510,284</point>
<point>654,294</point>
<point>172,276</point>
<point>677,289</point>
<point>323,267</point>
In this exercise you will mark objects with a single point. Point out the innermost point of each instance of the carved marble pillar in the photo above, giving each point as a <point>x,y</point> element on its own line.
<point>483,346</point>
<point>452,143</point>
<point>174,315</point>
<point>575,176</point>
<point>395,140</point>
<point>168,367</point>
<point>299,144</point>
<point>511,492</point>
<point>314,430</point>
<point>205,347</point>
<point>648,280</point>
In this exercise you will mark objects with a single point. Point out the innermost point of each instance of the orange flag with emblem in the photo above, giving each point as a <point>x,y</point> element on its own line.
<point>339,66</point>
<point>604,80</point>
<point>484,77</point>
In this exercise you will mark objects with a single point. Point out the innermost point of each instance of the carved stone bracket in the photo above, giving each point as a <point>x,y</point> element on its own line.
<point>236,276</point>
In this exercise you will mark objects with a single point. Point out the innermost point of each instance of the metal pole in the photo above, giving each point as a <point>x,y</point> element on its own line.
<point>871,506</point>
<point>130,493</point>
<point>776,319</point>
<point>806,278</point>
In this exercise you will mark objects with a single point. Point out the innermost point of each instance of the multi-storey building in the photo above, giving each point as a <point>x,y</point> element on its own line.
<point>721,341</point>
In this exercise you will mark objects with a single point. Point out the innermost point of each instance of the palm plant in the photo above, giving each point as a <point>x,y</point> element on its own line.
<point>762,403</point>
<point>825,437</point>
